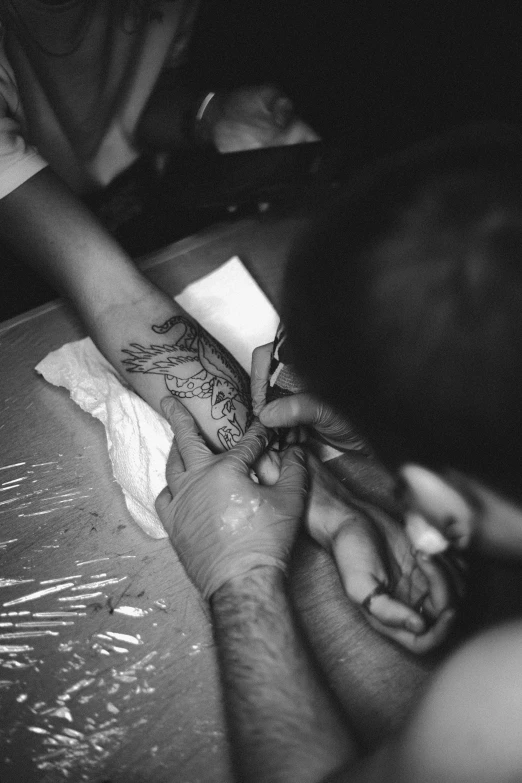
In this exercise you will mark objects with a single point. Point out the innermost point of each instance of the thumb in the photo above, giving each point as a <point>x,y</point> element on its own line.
<point>250,447</point>
<point>163,502</point>
<point>289,411</point>
<point>189,450</point>
<point>294,474</point>
<point>304,408</point>
<point>261,357</point>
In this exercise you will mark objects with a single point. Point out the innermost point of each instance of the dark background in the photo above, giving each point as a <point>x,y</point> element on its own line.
<point>375,74</point>
<point>369,77</point>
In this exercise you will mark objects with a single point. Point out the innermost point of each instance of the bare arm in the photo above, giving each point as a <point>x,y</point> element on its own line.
<point>233,537</point>
<point>284,726</point>
<point>145,335</point>
<point>282,720</point>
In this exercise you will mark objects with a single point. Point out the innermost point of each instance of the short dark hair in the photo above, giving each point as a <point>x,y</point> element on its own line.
<point>403,304</point>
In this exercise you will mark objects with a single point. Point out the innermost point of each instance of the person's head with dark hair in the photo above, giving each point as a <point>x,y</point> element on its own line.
<point>403,305</point>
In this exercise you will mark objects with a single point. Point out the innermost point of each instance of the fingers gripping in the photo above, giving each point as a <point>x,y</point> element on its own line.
<point>190,444</point>
<point>294,474</point>
<point>357,560</point>
<point>259,376</point>
<point>305,409</point>
<point>365,579</point>
<point>175,465</point>
<point>250,447</point>
<point>287,411</point>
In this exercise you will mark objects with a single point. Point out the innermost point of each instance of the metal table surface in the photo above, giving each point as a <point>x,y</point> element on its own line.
<point>107,666</point>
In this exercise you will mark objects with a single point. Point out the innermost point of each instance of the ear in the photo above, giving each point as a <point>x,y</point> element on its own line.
<point>436,513</point>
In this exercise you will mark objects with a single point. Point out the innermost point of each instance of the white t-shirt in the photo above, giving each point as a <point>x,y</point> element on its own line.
<point>74,79</point>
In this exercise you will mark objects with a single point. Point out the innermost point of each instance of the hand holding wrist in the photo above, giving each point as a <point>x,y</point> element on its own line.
<point>222,523</point>
<point>229,542</point>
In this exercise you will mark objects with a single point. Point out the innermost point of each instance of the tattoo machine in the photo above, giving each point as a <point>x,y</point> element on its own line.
<point>282,379</point>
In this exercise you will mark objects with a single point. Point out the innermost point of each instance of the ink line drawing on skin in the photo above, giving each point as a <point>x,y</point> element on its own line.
<point>195,366</point>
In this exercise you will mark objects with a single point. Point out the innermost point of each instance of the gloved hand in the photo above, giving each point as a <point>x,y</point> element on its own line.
<point>403,594</point>
<point>299,410</point>
<point>221,523</point>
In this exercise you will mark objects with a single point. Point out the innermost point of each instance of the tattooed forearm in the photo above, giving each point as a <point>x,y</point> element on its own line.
<point>200,372</point>
<point>166,326</point>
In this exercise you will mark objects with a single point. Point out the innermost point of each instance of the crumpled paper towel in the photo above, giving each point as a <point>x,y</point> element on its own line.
<point>231,306</point>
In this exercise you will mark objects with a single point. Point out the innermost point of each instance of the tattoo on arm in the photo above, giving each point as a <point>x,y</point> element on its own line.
<point>195,365</point>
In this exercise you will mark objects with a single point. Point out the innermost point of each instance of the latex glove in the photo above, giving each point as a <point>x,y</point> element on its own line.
<point>403,594</point>
<point>253,117</point>
<point>221,523</point>
<point>299,410</point>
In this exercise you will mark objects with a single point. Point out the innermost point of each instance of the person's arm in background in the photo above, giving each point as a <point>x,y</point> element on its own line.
<point>143,333</point>
<point>178,115</point>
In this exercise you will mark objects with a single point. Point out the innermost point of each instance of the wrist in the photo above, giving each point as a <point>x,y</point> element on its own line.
<point>137,302</point>
<point>230,578</point>
<point>258,581</point>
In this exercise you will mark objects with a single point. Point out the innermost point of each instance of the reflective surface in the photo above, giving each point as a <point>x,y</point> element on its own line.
<point>107,666</point>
